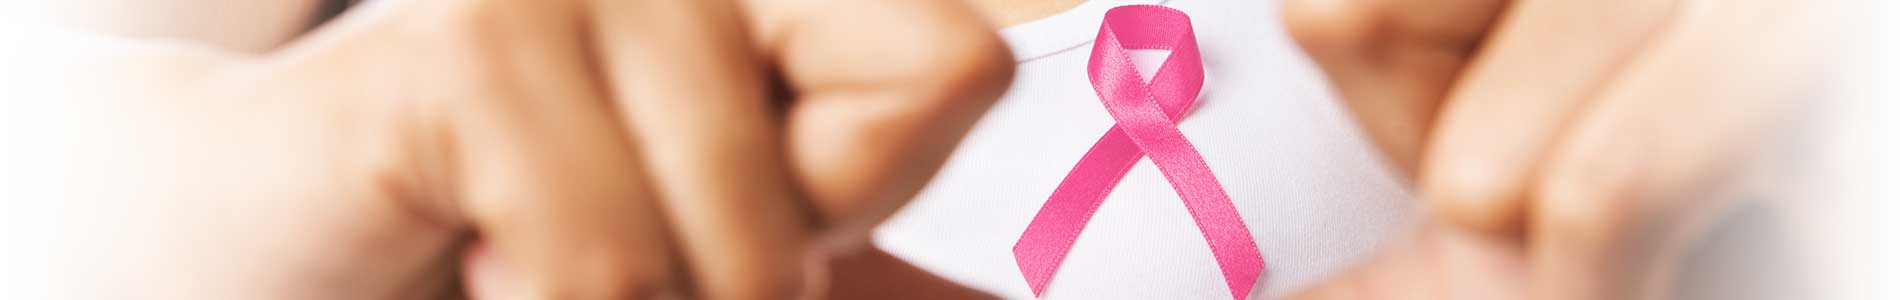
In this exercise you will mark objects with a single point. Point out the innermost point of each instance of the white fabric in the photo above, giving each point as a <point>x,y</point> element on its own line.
<point>1316,195</point>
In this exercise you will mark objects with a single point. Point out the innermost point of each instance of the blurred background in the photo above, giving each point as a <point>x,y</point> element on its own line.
<point>1843,234</point>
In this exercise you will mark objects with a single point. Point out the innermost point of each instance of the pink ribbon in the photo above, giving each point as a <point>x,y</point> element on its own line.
<point>1144,116</point>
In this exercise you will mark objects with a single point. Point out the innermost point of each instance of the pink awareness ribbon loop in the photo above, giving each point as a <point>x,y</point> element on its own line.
<point>1144,114</point>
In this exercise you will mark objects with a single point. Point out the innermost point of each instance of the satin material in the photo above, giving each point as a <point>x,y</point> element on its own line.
<point>1144,114</point>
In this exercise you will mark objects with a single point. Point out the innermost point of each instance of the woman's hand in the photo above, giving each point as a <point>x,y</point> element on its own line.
<point>1563,147</point>
<point>601,149</point>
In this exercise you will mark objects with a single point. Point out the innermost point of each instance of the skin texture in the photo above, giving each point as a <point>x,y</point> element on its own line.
<point>264,25</point>
<point>582,149</point>
<point>551,139</point>
<point>1011,12</point>
<point>1563,147</point>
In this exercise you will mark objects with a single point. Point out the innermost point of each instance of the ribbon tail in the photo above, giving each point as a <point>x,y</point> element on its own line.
<point>1054,229</point>
<point>1144,115</point>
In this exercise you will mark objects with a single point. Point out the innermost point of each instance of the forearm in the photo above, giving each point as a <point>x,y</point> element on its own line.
<point>250,26</point>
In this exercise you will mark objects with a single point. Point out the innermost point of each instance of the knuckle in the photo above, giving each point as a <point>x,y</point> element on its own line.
<point>1585,211</point>
<point>959,75</point>
<point>1483,199</point>
<point>770,289</point>
<point>459,44</point>
<point>916,52</point>
<point>954,58</point>
<point>764,278</point>
<point>976,63</point>
<point>613,275</point>
<point>493,59</point>
<point>1596,195</point>
<point>990,62</point>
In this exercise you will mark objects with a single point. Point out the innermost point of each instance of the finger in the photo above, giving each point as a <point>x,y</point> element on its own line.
<point>1542,61</point>
<point>506,135</point>
<point>543,168</point>
<point>864,275</point>
<point>1392,61</point>
<point>1482,267</point>
<point>691,91</point>
<point>1410,269</point>
<point>1439,262</point>
<point>485,276</point>
<point>881,92</point>
<point>874,275</point>
<point>1631,187</point>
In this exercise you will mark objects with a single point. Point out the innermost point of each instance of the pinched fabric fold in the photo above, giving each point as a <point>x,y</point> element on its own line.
<point>1144,114</point>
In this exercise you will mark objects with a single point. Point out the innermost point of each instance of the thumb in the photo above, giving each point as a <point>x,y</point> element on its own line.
<point>880,92</point>
<point>875,274</point>
<point>868,274</point>
<point>1437,262</point>
<point>1391,60</point>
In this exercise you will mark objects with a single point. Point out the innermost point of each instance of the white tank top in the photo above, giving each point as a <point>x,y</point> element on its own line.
<point>1313,191</point>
